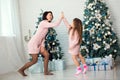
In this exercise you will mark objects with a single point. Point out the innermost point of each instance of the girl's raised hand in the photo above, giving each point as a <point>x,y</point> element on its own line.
<point>62,15</point>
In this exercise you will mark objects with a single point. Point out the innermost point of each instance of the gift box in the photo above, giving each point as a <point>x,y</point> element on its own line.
<point>60,64</point>
<point>37,68</point>
<point>95,64</point>
<point>104,67</point>
<point>52,65</point>
<point>93,67</point>
<point>89,61</point>
<point>97,60</point>
<point>56,65</point>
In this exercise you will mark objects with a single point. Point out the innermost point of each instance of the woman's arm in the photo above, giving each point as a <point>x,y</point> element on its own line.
<point>48,24</point>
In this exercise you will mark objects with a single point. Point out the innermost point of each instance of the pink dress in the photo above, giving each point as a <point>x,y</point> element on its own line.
<point>37,41</point>
<point>74,49</point>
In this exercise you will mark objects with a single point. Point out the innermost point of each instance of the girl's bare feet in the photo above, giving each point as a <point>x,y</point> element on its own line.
<point>48,73</point>
<point>22,72</point>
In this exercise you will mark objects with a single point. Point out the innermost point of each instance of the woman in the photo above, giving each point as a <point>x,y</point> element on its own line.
<point>36,44</point>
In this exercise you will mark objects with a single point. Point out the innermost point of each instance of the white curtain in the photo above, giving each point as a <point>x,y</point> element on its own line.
<point>12,54</point>
<point>0,16</point>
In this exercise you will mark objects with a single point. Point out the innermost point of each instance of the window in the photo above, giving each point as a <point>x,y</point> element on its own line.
<point>6,28</point>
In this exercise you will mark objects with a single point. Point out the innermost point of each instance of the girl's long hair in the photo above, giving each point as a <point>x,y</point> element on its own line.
<point>77,27</point>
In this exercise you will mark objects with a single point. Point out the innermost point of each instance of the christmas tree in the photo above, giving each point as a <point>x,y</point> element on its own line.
<point>52,44</point>
<point>99,40</point>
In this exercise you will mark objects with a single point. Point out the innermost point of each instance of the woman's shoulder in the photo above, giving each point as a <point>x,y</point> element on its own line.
<point>43,22</point>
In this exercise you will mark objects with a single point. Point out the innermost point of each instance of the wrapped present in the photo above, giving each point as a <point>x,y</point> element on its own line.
<point>89,61</point>
<point>112,63</point>
<point>57,65</point>
<point>90,68</point>
<point>36,68</point>
<point>101,67</point>
<point>60,64</point>
<point>108,67</point>
<point>109,60</point>
<point>104,67</point>
<point>51,65</point>
<point>97,60</point>
<point>93,67</point>
<point>106,63</point>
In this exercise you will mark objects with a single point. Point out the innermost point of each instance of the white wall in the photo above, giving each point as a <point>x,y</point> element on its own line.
<point>30,9</point>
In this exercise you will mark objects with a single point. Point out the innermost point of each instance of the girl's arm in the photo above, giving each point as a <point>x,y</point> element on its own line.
<point>66,22</point>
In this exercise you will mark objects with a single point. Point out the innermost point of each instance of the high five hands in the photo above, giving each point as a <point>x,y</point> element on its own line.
<point>62,15</point>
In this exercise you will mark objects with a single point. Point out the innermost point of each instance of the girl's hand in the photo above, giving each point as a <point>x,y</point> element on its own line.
<point>62,15</point>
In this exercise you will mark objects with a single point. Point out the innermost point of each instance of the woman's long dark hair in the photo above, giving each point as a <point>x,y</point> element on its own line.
<point>77,27</point>
<point>45,14</point>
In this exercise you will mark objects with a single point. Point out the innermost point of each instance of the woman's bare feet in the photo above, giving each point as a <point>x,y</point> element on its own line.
<point>22,72</point>
<point>48,73</point>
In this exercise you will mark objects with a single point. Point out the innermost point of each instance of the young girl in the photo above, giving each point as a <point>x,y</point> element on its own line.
<point>36,44</point>
<point>75,39</point>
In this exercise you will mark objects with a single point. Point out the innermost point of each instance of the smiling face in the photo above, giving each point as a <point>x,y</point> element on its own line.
<point>49,17</point>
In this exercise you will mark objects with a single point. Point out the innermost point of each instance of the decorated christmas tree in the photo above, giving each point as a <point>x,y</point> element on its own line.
<point>52,44</point>
<point>99,39</point>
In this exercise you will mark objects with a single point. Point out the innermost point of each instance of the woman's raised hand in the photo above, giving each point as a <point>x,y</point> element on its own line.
<point>62,15</point>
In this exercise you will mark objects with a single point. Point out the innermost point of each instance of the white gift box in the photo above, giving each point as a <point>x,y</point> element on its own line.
<point>57,65</point>
<point>93,68</point>
<point>96,60</point>
<point>106,63</point>
<point>89,61</point>
<point>101,67</point>
<point>104,67</point>
<point>53,65</point>
<point>108,67</point>
<point>90,68</point>
<point>111,62</point>
<point>36,68</point>
<point>60,65</point>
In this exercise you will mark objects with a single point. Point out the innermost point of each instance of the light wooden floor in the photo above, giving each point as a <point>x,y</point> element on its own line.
<point>67,74</point>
